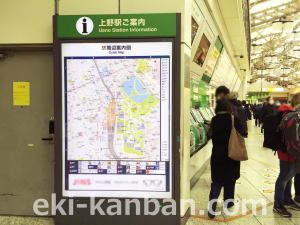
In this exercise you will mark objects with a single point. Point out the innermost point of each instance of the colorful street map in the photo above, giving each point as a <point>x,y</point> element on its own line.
<point>113,108</point>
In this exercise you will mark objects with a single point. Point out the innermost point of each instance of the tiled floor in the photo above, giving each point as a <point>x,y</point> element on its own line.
<point>258,176</point>
<point>257,181</point>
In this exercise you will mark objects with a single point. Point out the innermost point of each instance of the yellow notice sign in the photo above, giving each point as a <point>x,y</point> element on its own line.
<point>21,93</point>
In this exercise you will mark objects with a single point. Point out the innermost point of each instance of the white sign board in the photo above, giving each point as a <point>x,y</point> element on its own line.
<point>116,111</point>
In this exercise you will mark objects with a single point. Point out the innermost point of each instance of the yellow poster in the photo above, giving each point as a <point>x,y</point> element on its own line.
<point>215,53</point>
<point>21,93</point>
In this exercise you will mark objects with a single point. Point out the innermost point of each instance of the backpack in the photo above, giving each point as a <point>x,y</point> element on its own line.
<point>290,127</point>
<point>272,133</point>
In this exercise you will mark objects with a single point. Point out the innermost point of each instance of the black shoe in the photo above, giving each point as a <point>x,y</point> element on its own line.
<point>292,205</point>
<point>297,199</point>
<point>281,210</point>
<point>230,204</point>
<point>213,208</point>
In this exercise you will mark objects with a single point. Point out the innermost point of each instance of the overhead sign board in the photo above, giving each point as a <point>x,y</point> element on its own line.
<point>272,89</point>
<point>116,25</point>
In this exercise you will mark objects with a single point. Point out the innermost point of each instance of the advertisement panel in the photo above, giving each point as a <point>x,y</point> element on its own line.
<point>202,50</point>
<point>117,119</point>
<point>214,56</point>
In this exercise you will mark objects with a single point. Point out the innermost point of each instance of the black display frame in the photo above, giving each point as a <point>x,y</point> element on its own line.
<point>81,216</point>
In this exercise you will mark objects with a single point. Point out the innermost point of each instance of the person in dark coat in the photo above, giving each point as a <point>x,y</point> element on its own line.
<point>268,109</point>
<point>223,92</point>
<point>224,170</point>
<point>256,112</point>
<point>242,115</point>
<point>246,107</point>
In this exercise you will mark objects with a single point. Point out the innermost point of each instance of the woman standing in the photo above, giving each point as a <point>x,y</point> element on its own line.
<point>242,115</point>
<point>224,170</point>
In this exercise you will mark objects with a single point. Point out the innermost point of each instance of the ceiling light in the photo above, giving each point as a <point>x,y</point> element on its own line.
<point>285,70</point>
<point>289,37</point>
<point>268,59</point>
<point>288,26</point>
<point>297,72</point>
<point>274,58</point>
<point>257,48</point>
<point>297,36</point>
<point>284,78</point>
<point>279,49</point>
<point>296,52</point>
<point>277,27</point>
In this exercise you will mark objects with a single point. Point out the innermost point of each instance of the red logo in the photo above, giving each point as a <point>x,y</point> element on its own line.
<point>83,182</point>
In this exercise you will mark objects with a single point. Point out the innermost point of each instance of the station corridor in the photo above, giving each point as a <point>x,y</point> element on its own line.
<point>257,181</point>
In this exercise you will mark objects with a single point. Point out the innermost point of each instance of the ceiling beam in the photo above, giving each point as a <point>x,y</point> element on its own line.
<point>257,2</point>
<point>275,7</point>
<point>258,26</point>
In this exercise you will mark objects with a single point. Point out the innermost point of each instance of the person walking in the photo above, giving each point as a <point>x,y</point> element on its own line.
<point>223,92</point>
<point>256,112</point>
<point>268,109</point>
<point>283,186</point>
<point>247,108</point>
<point>242,115</point>
<point>224,170</point>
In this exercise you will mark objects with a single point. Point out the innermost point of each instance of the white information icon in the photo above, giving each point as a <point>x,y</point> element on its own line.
<point>84,25</point>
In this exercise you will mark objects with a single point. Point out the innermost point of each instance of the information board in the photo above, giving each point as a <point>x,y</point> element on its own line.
<point>21,93</point>
<point>209,68</point>
<point>221,71</point>
<point>214,56</point>
<point>117,122</point>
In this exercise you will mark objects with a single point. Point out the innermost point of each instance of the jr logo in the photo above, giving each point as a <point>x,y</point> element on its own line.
<point>84,25</point>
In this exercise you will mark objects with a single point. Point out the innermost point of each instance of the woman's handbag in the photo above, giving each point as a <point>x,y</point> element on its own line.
<point>236,147</point>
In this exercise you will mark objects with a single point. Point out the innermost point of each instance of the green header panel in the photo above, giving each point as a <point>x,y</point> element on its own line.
<point>199,93</point>
<point>219,45</point>
<point>116,25</point>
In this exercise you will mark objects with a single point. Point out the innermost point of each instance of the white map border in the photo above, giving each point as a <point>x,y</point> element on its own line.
<point>137,49</point>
